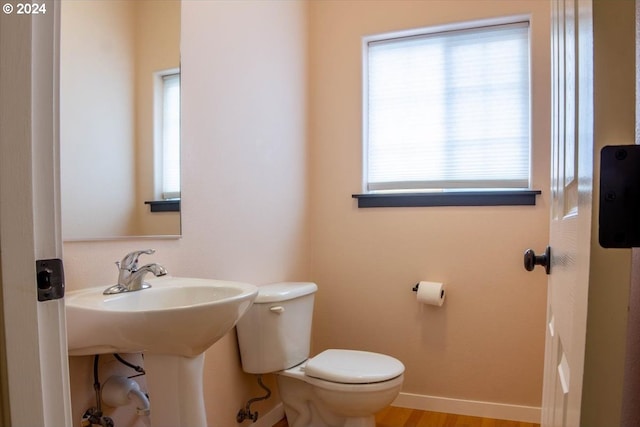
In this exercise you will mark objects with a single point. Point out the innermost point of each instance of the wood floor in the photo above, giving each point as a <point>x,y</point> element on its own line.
<point>404,417</point>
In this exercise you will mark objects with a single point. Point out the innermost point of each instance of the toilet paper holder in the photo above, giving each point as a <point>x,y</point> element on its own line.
<point>415,289</point>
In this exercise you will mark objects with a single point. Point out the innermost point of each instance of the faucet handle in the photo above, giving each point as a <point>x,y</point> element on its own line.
<point>130,260</point>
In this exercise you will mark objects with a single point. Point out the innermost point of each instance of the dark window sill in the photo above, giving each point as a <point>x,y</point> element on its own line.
<point>448,198</point>
<point>164,205</point>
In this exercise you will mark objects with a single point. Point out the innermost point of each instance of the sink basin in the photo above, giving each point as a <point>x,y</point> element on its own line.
<point>176,316</point>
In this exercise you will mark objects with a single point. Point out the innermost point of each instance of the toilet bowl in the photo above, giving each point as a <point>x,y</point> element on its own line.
<point>336,388</point>
<point>341,387</point>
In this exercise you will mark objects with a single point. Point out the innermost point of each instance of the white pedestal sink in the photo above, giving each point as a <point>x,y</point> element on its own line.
<point>172,323</point>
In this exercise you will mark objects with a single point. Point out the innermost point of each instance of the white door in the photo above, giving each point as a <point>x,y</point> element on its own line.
<point>571,192</point>
<point>35,332</point>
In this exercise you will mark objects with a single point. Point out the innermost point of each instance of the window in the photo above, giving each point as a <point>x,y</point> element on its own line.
<point>168,135</point>
<point>447,109</point>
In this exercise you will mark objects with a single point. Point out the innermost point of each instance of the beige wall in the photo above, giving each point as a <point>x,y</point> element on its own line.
<point>610,272</point>
<point>244,180</point>
<point>630,414</point>
<point>486,343</point>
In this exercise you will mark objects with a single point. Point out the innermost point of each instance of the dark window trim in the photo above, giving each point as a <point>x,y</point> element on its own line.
<point>448,198</point>
<point>164,205</point>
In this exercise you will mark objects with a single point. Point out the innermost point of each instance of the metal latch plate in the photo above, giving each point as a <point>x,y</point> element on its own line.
<point>50,279</point>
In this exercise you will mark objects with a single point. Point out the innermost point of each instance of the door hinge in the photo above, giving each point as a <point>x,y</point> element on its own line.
<point>619,220</point>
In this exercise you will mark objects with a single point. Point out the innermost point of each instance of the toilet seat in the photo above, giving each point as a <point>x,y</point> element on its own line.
<point>298,373</point>
<point>353,367</point>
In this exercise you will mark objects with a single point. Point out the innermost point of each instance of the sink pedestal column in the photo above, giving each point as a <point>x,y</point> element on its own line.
<point>175,390</point>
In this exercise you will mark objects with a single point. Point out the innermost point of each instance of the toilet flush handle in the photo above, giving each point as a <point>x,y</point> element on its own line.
<point>278,309</point>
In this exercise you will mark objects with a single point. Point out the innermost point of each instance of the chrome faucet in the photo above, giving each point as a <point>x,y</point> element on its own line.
<point>130,276</point>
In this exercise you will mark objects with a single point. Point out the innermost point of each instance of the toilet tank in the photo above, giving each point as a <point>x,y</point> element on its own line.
<point>275,333</point>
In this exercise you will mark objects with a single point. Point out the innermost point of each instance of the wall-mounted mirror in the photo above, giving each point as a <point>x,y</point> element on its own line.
<point>120,118</point>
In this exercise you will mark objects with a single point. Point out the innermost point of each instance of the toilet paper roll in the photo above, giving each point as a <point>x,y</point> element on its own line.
<point>431,293</point>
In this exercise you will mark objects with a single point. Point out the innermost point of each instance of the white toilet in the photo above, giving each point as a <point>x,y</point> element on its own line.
<point>336,388</point>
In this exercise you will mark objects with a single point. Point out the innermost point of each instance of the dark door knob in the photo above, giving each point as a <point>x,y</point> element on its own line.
<point>531,260</point>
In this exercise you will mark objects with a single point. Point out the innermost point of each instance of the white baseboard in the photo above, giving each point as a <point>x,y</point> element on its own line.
<point>271,417</point>
<point>500,411</point>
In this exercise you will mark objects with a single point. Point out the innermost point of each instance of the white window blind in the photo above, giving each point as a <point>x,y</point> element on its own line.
<point>448,110</point>
<point>171,136</point>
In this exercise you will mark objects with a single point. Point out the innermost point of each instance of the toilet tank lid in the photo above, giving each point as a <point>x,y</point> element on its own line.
<point>284,291</point>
